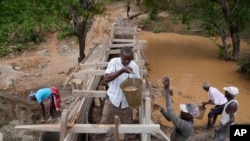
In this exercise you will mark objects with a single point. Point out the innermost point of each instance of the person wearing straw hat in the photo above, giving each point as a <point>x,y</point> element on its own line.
<point>228,114</point>
<point>118,70</point>
<point>215,98</point>
<point>184,123</point>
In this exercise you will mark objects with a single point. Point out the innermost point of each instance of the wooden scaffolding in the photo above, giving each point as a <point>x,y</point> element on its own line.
<point>85,83</point>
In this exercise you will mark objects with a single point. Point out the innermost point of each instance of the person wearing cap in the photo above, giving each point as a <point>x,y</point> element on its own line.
<point>228,114</point>
<point>184,123</point>
<point>215,98</point>
<point>49,95</point>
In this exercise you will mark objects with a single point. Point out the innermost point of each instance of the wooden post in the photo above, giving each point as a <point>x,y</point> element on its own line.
<point>63,124</point>
<point>147,115</point>
<point>148,110</point>
<point>116,131</point>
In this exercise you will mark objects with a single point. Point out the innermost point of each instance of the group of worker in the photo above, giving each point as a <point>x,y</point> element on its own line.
<point>225,105</point>
<point>119,69</point>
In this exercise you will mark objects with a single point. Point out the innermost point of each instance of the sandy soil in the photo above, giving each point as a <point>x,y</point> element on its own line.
<point>50,63</point>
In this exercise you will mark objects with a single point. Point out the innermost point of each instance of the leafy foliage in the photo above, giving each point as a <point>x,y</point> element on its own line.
<point>26,20</point>
<point>244,63</point>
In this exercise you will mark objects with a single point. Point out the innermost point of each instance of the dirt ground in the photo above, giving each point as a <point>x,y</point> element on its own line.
<point>49,63</point>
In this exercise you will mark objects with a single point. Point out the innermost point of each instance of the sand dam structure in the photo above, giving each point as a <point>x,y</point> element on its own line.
<point>79,121</point>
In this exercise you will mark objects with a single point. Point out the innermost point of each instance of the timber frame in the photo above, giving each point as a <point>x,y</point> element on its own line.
<point>85,83</point>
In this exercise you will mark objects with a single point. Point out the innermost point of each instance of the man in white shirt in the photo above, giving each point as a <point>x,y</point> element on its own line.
<point>215,98</point>
<point>118,69</point>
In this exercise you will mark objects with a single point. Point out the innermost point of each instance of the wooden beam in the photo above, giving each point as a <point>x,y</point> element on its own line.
<point>96,65</point>
<point>94,128</point>
<point>73,111</point>
<point>123,28</point>
<point>63,124</point>
<point>116,131</point>
<point>89,93</point>
<point>148,110</point>
<point>129,41</point>
<point>124,40</point>
<point>93,72</point>
<point>81,74</point>
<point>104,64</point>
<point>121,45</point>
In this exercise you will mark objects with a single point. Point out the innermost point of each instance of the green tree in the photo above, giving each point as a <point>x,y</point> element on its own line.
<point>26,20</point>
<point>221,17</point>
<point>82,12</point>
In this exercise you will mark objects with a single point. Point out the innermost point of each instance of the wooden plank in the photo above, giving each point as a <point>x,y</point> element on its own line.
<point>104,64</point>
<point>96,65</point>
<point>68,79</point>
<point>116,131</point>
<point>121,45</point>
<point>123,28</point>
<point>147,110</point>
<point>129,41</point>
<point>147,115</point>
<point>124,40</point>
<point>93,128</point>
<point>63,124</point>
<point>77,83</point>
<point>89,93</point>
<point>73,112</point>
<point>114,51</point>
<point>78,112</point>
<point>91,72</point>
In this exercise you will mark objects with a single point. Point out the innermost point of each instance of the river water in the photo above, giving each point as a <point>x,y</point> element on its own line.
<point>189,61</point>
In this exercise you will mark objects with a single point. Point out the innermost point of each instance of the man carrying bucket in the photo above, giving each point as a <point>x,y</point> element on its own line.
<point>118,70</point>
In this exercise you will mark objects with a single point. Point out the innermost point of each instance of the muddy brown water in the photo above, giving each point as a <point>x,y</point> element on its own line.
<point>189,61</point>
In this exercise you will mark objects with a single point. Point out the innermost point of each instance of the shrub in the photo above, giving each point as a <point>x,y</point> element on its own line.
<point>244,64</point>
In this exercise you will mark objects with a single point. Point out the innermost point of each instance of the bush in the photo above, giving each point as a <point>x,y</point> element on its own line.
<point>244,64</point>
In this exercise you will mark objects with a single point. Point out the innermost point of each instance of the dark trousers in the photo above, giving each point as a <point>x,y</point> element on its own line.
<point>217,110</point>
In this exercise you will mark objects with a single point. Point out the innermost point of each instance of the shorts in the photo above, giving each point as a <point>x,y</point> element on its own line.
<point>217,110</point>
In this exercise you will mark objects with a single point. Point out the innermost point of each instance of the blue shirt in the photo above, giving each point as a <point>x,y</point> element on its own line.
<point>43,94</point>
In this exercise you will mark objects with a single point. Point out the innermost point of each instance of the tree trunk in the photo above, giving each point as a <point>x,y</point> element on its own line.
<point>235,41</point>
<point>233,29</point>
<point>224,43</point>
<point>82,38</point>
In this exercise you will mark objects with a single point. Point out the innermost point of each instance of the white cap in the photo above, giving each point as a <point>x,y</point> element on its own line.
<point>232,90</point>
<point>191,109</point>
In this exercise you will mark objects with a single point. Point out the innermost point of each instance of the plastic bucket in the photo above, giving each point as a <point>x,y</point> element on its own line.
<point>202,110</point>
<point>132,90</point>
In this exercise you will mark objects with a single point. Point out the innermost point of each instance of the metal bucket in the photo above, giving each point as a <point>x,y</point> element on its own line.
<point>202,110</point>
<point>132,90</point>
